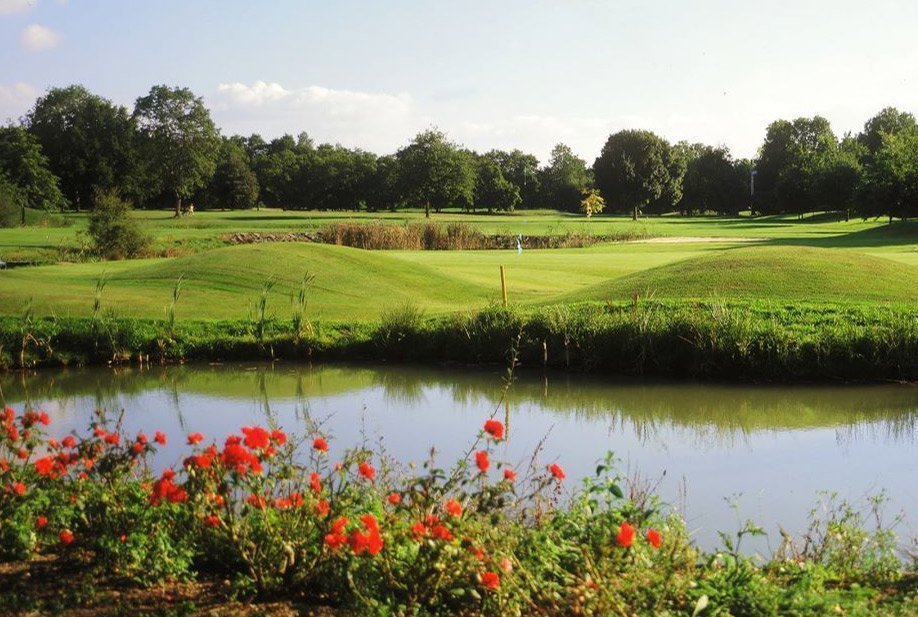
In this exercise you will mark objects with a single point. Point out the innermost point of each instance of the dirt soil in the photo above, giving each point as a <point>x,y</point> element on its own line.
<point>49,586</point>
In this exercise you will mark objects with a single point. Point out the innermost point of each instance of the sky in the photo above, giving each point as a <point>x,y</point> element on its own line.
<point>491,74</point>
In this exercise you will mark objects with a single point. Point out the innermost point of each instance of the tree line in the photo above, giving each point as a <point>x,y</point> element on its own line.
<point>74,146</point>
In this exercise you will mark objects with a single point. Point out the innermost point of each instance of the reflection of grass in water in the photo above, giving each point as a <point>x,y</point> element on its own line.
<point>713,413</point>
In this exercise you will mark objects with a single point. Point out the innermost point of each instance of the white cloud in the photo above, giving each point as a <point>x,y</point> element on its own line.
<point>371,120</point>
<point>9,7</point>
<point>256,95</point>
<point>39,38</point>
<point>16,99</point>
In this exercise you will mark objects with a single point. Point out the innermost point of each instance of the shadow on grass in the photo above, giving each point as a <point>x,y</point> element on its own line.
<point>898,233</point>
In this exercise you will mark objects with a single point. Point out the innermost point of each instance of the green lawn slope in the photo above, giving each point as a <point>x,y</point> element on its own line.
<point>226,282</point>
<point>782,273</point>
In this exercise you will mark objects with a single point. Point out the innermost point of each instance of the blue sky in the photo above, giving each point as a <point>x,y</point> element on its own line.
<point>504,73</point>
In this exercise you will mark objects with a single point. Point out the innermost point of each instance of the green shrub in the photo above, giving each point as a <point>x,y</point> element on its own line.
<point>114,233</point>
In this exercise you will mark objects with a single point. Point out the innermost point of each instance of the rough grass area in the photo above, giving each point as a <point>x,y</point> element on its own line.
<point>751,341</point>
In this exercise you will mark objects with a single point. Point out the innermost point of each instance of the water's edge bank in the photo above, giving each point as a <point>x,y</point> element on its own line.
<point>722,341</point>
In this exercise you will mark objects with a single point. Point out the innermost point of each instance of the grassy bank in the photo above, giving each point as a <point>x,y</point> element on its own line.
<point>751,341</point>
<point>282,519</point>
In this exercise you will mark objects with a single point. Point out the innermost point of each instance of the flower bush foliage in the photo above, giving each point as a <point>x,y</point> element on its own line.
<point>279,515</point>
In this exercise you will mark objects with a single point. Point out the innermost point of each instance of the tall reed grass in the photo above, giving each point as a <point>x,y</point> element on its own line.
<point>452,237</point>
<point>714,340</point>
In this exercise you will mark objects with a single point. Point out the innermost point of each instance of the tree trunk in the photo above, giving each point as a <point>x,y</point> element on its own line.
<point>634,213</point>
<point>178,205</point>
<point>427,209</point>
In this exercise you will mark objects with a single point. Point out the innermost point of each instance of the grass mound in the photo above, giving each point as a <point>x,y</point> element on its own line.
<point>225,282</point>
<point>776,272</point>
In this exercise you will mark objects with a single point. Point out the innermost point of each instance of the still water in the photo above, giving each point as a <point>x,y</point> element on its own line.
<point>767,450</point>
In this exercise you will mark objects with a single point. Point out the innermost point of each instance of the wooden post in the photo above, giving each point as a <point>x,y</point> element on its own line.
<point>503,285</point>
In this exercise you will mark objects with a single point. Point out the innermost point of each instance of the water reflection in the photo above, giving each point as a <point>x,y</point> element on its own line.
<point>716,414</point>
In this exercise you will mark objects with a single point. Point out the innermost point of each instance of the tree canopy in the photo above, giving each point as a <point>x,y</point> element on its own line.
<point>24,165</point>
<point>87,139</point>
<point>564,179</point>
<point>636,168</point>
<point>436,173</point>
<point>179,141</point>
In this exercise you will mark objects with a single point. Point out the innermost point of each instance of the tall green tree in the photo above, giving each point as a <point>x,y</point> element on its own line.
<point>564,180</point>
<point>636,168</point>
<point>492,190</point>
<point>88,141</point>
<point>521,170</point>
<point>233,184</point>
<point>892,178</point>
<point>279,167</point>
<point>26,167</point>
<point>792,162</point>
<point>178,140</point>
<point>436,173</point>
<point>713,182</point>
<point>888,121</point>
<point>385,191</point>
<point>337,178</point>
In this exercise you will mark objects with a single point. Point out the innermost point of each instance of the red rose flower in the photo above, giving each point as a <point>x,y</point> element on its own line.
<point>441,533</point>
<point>41,522</point>
<point>66,537</point>
<point>509,475</point>
<point>367,471</point>
<point>653,536</point>
<point>45,466</point>
<point>159,437</point>
<point>625,535</point>
<point>68,441</point>
<point>256,501</point>
<point>395,499</point>
<point>256,437</point>
<point>320,444</point>
<point>279,437</point>
<point>490,580</point>
<point>556,471</point>
<point>495,429</point>
<point>315,482</point>
<point>195,438</point>
<point>453,508</point>
<point>481,459</point>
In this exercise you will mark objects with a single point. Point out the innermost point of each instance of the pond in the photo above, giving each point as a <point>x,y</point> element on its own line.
<point>720,454</point>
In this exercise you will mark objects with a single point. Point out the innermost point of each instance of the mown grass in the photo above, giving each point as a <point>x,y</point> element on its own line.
<point>352,284</point>
<point>779,272</point>
<point>205,230</point>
